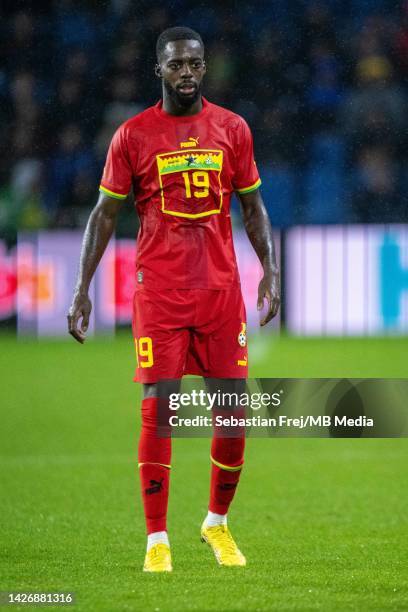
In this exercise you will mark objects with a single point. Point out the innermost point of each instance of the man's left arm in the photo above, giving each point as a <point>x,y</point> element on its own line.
<point>259,231</point>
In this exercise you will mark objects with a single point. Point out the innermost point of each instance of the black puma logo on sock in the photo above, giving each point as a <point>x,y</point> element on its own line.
<point>227,486</point>
<point>155,487</point>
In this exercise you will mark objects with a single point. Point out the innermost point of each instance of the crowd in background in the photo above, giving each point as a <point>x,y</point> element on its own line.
<point>323,86</point>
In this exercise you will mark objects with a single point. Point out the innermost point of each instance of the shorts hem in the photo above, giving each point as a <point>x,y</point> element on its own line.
<point>154,379</point>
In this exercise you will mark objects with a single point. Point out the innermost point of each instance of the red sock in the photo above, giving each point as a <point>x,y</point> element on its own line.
<point>227,455</point>
<point>154,464</point>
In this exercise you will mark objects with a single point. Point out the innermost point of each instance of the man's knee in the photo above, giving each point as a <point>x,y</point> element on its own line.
<point>162,389</point>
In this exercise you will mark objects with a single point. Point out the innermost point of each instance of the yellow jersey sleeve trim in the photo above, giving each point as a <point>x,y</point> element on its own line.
<point>250,188</point>
<point>154,463</point>
<point>112,194</point>
<point>226,467</point>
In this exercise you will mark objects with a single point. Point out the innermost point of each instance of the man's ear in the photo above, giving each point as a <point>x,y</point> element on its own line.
<point>204,66</point>
<point>157,71</point>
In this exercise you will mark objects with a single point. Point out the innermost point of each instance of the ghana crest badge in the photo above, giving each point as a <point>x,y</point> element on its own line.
<point>242,339</point>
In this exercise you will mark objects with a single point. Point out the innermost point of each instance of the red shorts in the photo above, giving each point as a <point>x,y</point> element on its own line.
<point>189,331</point>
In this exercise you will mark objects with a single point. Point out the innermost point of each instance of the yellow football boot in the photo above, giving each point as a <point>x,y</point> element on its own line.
<point>224,548</point>
<point>158,559</point>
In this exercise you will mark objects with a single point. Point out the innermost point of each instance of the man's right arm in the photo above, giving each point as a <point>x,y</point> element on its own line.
<point>100,227</point>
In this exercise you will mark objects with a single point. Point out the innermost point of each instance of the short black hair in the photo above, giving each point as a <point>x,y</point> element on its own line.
<point>178,33</point>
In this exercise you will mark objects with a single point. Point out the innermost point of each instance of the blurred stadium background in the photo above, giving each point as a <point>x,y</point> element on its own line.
<point>322,83</point>
<point>324,87</point>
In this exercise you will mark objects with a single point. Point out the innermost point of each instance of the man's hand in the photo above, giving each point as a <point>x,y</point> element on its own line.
<point>80,308</point>
<point>259,230</point>
<point>99,229</point>
<point>269,288</point>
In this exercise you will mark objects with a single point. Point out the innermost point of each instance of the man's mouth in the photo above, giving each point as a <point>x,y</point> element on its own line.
<point>187,88</point>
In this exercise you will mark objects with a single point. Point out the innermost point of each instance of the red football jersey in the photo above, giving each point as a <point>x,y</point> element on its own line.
<point>183,171</point>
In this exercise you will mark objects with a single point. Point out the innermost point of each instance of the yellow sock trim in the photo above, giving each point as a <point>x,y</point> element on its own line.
<point>226,467</point>
<point>153,463</point>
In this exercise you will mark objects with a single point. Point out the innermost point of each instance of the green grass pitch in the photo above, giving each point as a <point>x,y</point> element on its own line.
<point>323,523</point>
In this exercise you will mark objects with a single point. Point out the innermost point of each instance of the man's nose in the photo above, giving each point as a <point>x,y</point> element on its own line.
<point>186,70</point>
